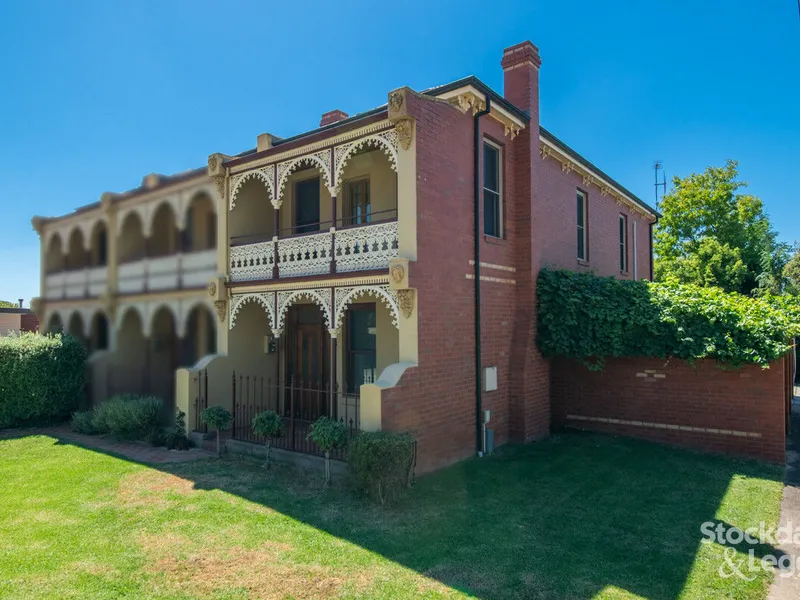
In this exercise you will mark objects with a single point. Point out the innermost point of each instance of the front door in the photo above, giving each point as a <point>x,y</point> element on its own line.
<point>307,362</point>
<point>306,206</point>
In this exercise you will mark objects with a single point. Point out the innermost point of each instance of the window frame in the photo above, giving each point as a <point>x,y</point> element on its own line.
<point>501,230</point>
<point>582,228</point>
<point>347,219</point>
<point>623,243</point>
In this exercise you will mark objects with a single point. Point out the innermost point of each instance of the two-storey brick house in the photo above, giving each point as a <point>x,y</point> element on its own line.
<point>354,266</point>
<point>380,269</point>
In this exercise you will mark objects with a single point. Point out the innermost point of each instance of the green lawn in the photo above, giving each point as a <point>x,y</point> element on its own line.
<point>576,516</point>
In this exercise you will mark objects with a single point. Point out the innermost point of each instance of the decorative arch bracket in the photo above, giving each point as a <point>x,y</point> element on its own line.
<point>321,297</point>
<point>345,296</point>
<point>265,299</point>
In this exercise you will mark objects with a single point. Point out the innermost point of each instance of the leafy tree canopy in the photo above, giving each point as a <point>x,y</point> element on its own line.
<point>6,304</point>
<point>712,235</point>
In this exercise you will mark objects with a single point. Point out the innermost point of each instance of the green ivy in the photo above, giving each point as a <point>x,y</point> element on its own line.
<point>589,318</point>
<point>41,378</point>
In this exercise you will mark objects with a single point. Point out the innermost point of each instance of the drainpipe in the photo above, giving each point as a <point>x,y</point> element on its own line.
<point>653,224</point>
<point>477,274</point>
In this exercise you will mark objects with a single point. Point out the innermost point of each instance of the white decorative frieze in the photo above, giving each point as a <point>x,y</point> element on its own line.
<point>386,140</point>
<point>322,297</point>
<point>344,296</point>
<point>265,299</point>
<point>321,160</point>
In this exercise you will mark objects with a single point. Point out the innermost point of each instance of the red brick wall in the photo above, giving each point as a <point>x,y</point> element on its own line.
<point>680,407</point>
<point>557,191</point>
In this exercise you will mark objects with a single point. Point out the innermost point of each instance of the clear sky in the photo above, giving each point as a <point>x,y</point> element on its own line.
<point>95,94</point>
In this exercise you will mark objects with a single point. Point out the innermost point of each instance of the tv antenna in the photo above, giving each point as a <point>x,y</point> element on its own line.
<point>659,166</point>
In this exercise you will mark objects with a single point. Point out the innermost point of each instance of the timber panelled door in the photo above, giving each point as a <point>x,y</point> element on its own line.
<point>308,359</point>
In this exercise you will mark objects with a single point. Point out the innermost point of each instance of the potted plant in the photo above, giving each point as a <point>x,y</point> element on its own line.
<point>328,434</point>
<point>217,418</point>
<point>269,425</point>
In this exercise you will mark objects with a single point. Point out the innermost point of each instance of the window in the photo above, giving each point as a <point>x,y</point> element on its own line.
<point>623,243</point>
<point>306,206</point>
<point>358,206</point>
<point>360,349</point>
<point>492,191</point>
<point>583,251</point>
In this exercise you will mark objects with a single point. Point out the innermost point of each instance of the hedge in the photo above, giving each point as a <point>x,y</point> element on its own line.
<point>588,318</point>
<point>380,464</point>
<point>41,378</point>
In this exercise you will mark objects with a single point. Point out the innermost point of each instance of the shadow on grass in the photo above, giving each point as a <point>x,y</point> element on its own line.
<point>564,518</point>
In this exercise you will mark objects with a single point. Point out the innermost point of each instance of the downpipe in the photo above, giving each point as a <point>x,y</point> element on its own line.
<point>480,438</point>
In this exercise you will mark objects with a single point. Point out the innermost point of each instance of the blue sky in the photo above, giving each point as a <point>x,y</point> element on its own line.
<point>94,95</point>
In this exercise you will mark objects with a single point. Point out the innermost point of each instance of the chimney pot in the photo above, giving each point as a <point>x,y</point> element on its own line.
<point>332,117</point>
<point>20,302</point>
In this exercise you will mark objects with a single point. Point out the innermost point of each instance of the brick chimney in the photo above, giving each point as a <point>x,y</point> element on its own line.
<point>521,78</point>
<point>334,116</point>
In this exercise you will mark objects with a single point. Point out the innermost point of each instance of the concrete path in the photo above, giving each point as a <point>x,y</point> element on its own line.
<point>788,588</point>
<point>135,451</point>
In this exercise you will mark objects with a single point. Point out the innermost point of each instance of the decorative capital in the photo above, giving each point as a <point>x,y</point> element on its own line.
<point>398,273</point>
<point>405,302</point>
<point>277,333</point>
<point>215,164</point>
<point>334,333</point>
<point>405,131</point>
<point>398,105</point>
<point>212,288</point>
<point>220,306</point>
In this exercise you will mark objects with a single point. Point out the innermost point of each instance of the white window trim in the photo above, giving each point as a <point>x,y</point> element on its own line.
<point>499,191</point>
<point>585,197</point>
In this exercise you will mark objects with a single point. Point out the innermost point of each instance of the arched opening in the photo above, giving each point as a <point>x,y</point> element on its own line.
<point>54,324</point>
<point>98,252</point>
<point>99,334</point>
<point>368,192</point>
<point>164,350</point>
<point>129,373</point>
<point>76,328</point>
<point>253,218</point>
<point>201,225</point>
<point>131,239</point>
<point>164,234</point>
<point>54,258</point>
<point>76,253</point>
<point>201,336</point>
<point>306,204</point>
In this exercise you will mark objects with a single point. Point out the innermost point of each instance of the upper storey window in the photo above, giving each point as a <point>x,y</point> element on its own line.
<point>492,190</point>
<point>583,249</point>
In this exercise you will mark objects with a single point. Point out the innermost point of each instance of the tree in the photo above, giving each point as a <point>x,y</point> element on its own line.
<point>6,304</point>
<point>217,418</point>
<point>269,425</point>
<point>791,273</point>
<point>710,234</point>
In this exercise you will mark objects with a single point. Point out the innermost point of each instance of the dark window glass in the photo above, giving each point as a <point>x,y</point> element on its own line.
<point>361,348</point>
<point>623,243</point>
<point>306,211</point>
<point>492,217</point>
<point>359,207</point>
<point>581,208</point>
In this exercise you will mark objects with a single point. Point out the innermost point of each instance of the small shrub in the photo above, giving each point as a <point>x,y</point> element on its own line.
<point>217,418</point>
<point>128,416</point>
<point>380,464</point>
<point>82,422</point>
<point>328,434</point>
<point>269,425</point>
<point>175,438</point>
<point>41,378</point>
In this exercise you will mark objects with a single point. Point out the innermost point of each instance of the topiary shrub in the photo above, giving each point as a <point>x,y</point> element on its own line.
<point>217,418</point>
<point>129,417</point>
<point>328,434</point>
<point>83,422</point>
<point>41,378</point>
<point>380,464</point>
<point>268,425</point>
<point>175,438</point>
